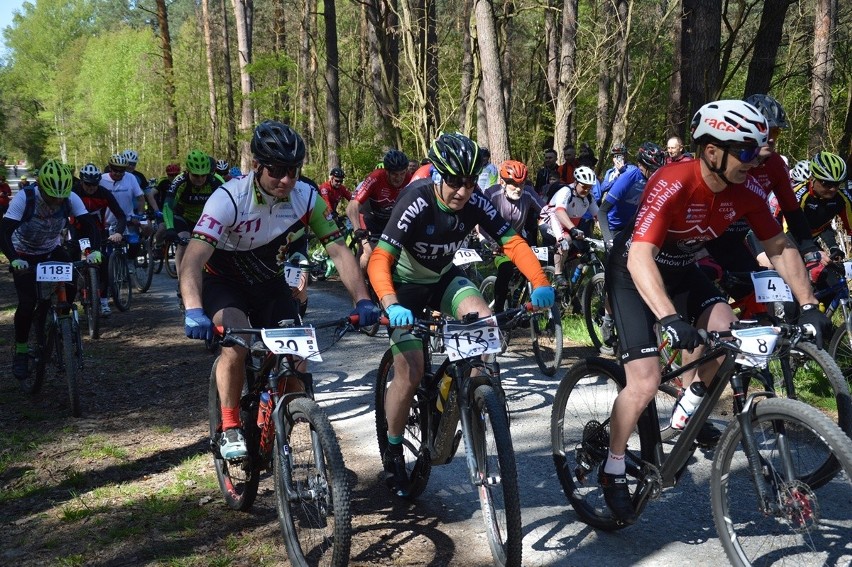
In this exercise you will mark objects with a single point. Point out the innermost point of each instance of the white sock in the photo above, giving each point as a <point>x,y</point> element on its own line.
<point>615,464</point>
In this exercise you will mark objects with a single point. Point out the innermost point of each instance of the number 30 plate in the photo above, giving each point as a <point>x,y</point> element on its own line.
<point>301,341</point>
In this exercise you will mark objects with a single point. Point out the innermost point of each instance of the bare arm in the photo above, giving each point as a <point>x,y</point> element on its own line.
<point>643,269</point>
<point>347,267</point>
<point>353,213</point>
<point>786,259</point>
<point>194,257</point>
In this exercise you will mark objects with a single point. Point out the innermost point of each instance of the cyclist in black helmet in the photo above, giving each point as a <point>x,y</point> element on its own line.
<point>412,269</point>
<point>234,265</point>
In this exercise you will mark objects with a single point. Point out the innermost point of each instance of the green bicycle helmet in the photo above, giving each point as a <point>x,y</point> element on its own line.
<point>198,163</point>
<point>456,154</point>
<point>827,166</point>
<point>54,179</point>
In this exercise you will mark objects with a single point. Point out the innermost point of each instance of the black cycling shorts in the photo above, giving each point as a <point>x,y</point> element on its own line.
<point>690,290</point>
<point>265,304</point>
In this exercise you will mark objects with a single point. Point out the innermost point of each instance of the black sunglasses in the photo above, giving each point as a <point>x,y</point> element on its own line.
<point>280,171</point>
<point>830,184</point>
<point>744,153</point>
<point>458,181</point>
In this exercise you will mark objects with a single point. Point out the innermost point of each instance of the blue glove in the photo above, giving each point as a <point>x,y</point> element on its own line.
<point>542,297</point>
<point>399,316</point>
<point>197,325</point>
<point>19,265</point>
<point>158,215</point>
<point>95,257</point>
<point>367,313</point>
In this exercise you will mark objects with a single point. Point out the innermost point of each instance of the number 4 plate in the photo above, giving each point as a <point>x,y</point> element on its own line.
<point>769,287</point>
<point>54,272</point>
<point>301,341</point>
<point>465,341</point>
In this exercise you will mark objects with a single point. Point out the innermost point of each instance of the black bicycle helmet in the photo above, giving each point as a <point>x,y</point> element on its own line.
<point>337,172</point>
<point>651,155</point>
<point>274,143</point>
<point>771,110</point>
<point>618,150</point>
<point>456,154</point>
<point>90,174</point>
<point>395,160</point>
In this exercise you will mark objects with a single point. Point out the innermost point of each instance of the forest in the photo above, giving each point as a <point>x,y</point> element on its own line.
<point>82,79</point>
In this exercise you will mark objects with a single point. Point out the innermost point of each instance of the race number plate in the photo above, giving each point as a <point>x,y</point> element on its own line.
<point>847,267</point>
<point>84,244</point>
<point>769,287</point>
<point>756,343</point>
<point>464,256</point>
<point>292,274</point>
<point>55,272</point>
<point>464,341</point>
<point>541,252</point>
<point>301,341</point>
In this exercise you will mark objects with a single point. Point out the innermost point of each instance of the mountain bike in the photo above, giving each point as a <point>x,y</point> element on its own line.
<point>579,272</point>
<point>89,291</point>
<point>55,338</point>
<point>118,267</point>
<point>142,264</point>
<point>545,326</point>
<point>287,432</point>
<point>780,478</point>
<point>463,390</point>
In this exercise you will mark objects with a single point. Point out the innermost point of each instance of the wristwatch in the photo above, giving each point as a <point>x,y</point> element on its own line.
<point>809,306</point>
<point>811,256</point>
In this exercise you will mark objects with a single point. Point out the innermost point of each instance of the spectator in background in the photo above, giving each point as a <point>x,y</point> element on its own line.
<point>412,166</point>
<point>674,148</point>
<point>566,170</point>
<point>5,195</point>
<point>489,175</point>
<point>586,156</point>
<point>542,178</point>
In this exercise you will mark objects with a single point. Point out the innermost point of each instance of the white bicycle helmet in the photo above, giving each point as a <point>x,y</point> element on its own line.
<point>726,122</point>
<point>585,175</point>
<point>801,172</point>
<point>90,174</point>
<point>118,160</point>
<point>131,157</point>
<point>222,166</point>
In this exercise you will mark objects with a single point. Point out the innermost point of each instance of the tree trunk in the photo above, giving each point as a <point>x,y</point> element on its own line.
<point>676,118</point>
<point>332,98</point>
<point>242,16</point>
<point>845,146</point>
<point>466,67</point>
<point>769,35</point>
<point>825,15</point>
<point>433,107</point>
<point>384,69</point>
<point>211,79</point>
<point>168,71</point>
<point>702,45</point>
<point>492,81</point>
<point>565,91</point>
<point>233,155</point>
<point>551,38</point>
<point>306,67</point>
<point>281,102</point>
<point>504,33</point>
<point>623,25</point>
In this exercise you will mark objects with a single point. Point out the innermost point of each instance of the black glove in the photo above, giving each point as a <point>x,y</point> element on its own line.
<point>577,234</point>
<point>682,334</point>
<point>812,316</point>
<point>170,235</point>
<point>361,234</point>
<point>836,254</point>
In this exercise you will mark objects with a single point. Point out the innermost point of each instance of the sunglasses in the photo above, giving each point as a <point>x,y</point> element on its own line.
<point>337,180</point>
<point>115,171</point>
<point>744,153</point>
<point>829,184</point>
<point>458,181</point>
<point>281,171</point>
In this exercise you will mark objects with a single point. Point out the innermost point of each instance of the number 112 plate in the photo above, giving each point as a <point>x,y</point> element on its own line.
<point>464,341</point>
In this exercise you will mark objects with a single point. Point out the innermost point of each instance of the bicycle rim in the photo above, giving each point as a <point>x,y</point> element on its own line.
<point>70,363</point>
<point>594,299</point>
<point>498,476</point>
<point>92,303</point>
<point>238,480</point>
<point>169,255</point>
<point>121,285</point>
<point>841,351</point>
<point>144,267</point>
<point>808,524</point>
<point>546,331</point>
<point>579,430</point>
<point>39,348</point>
<point>317,524</point>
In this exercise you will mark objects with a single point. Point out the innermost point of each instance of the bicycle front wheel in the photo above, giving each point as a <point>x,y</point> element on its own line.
<point>805,524</point>
<point>594,300</point>
<point>39,349</point>
<point>143,266</point>
<point>546,331</point>
<point>314,514</point>
<point>120,287</point>
<point>238,480</point>
<point>579,434</point>
<point>69,363</point>
<point>497,476</point>
<point>169,259</point>
<point>90,295</point>
<point>840,350</point>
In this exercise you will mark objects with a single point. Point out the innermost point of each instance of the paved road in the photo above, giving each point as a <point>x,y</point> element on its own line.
<point>675,529</point>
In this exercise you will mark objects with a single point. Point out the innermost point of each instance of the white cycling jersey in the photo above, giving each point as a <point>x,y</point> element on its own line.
<point>41,233</point>
<point>254,233</point>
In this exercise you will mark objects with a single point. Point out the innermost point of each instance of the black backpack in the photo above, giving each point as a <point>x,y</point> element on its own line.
<point>29,207</point>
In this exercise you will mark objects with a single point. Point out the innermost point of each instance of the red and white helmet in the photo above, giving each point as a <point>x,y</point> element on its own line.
<point>729,122</point>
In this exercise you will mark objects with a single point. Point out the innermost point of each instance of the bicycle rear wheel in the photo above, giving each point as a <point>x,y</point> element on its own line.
<point>417,458</point>
<point>579,434</point>
<point>806,524</point>
<point>546,332</point>
<point>69,363</point>
<point>40,349</point>
<point>238,480</point>
<point>594,299</point>
<point>498,476</point>
<point>169,261</point>
<point>143,266</point>
<point>120,287</point>
<point>316,518</point>
<point>90,295</point>
<point>840,350</point>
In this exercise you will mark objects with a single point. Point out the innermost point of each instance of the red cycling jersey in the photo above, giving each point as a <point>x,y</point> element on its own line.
<point>377,189</point>
<point>332,195</point>
<point>773,175</point>
<point>422,172</point>
<point>679,213</point>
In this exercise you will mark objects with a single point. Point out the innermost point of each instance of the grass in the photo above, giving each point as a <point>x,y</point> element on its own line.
<point>574,329</point>
<point>96,447</point>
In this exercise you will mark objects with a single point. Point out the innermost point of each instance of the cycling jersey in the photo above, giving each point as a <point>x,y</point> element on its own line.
<point>98,204</point>
<point>187,200</point>
<point>489,176</point>
<point>624,195</point>
<point>521,214</point>
<point>820,212</point>
<point>254,233</point>
<point>679,213</point>
<point>333,195</point>
<point>377,189</point>
<point>41,233</point>
<point>567,200</point>
<point>126,191</point>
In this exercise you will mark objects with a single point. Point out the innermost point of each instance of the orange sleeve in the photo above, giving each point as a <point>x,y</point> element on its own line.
<point>379,272</point>
<point>523,257</point>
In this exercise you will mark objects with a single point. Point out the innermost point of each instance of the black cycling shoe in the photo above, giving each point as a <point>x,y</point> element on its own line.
<point>396,475</point>
<point>617,495</point>
<point>709,435</point>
